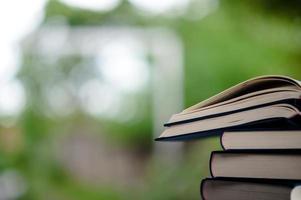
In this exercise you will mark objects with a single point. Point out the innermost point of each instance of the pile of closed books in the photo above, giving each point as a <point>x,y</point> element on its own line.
<point>259,122</point>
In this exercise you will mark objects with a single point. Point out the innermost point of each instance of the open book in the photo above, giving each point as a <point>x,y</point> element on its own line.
<point>262,103</point>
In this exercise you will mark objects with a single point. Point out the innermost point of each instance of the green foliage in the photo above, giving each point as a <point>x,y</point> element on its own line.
<point>238,41</point>
<point>235,44</point>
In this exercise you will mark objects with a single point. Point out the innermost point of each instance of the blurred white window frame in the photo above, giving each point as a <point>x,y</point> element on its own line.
<point>162,44</point>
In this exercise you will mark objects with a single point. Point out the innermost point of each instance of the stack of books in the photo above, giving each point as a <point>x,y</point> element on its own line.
<point>259,123</point>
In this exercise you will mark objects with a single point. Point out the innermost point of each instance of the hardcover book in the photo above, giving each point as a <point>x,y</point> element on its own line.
<point>262,103</point>
<point>215,189</point>
<point>259,123</point>
<point>261,140</point>
<point>256,164</point>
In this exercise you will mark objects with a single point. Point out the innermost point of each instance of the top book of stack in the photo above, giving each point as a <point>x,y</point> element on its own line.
<point>260,104</point>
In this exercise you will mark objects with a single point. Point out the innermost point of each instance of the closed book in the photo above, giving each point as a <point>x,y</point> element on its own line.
<point>280,164</point>
<point>261,140</point>
<point>216,189</point>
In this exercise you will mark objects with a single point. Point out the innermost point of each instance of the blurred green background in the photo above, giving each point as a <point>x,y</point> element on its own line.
<point>80,97</point>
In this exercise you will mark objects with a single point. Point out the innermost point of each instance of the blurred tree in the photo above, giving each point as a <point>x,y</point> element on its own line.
<point>240,40</point>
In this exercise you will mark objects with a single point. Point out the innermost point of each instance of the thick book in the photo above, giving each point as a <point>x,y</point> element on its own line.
<point>215,189</point>
<point>269,164</point>
<point>257,103</point>
<point>261,140</point>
